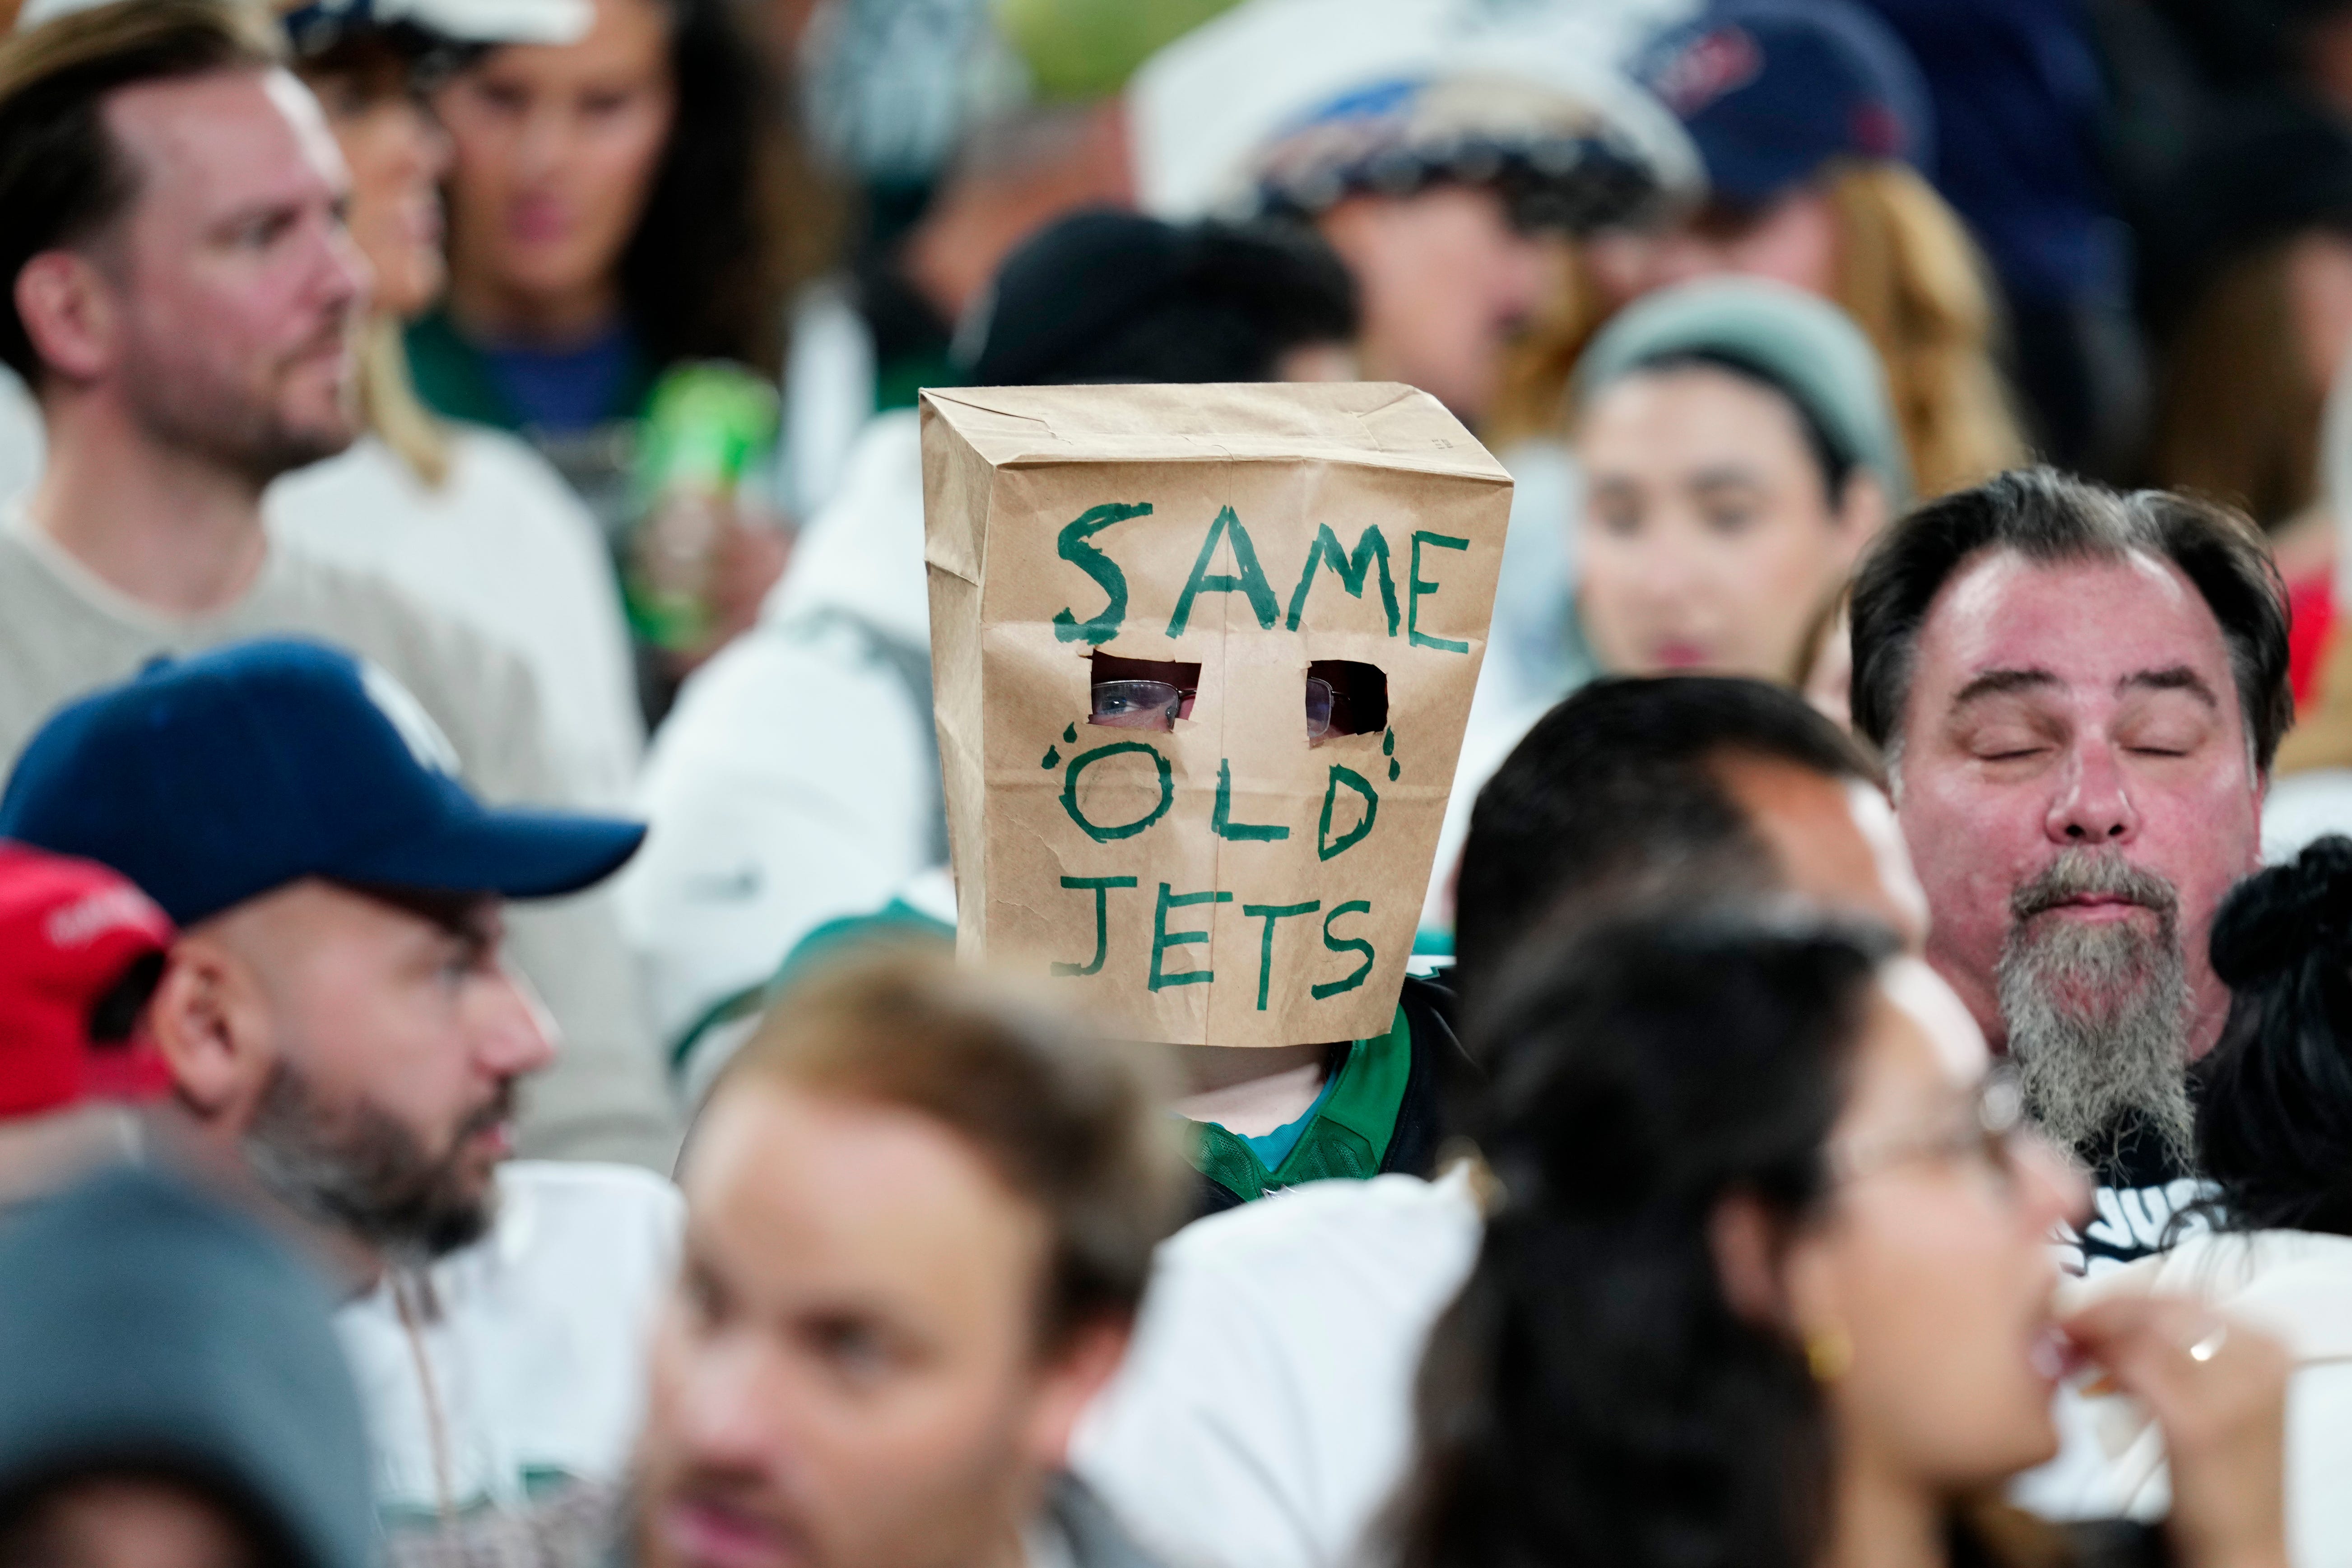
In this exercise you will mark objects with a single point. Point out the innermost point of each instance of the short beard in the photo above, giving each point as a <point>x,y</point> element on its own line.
<point>229,430</point>
<point>372,1178</point>
<point>2098,1015</point>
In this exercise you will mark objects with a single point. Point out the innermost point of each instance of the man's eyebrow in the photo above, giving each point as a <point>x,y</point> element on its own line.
<point>2172,678</point>
<point>1723,477</point>
<point>264,210</point>
<point>2003,683</point>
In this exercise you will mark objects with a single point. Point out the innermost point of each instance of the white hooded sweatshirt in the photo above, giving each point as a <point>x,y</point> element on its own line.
<point>796,782</point>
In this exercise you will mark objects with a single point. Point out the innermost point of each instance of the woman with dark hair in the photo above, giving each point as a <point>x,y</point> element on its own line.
<point>1739,452</point>
<point>1770,1284</point>
<point>612,219</point>
<point>607,220</point>
<point>2275,1136</point>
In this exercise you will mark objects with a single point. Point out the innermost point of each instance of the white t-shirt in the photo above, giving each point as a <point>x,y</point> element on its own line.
<point>1264,1415</point>
<point>22,448</point>
<point>2293,1284</point>
<point>505,547</point>
<point>537,1352</point>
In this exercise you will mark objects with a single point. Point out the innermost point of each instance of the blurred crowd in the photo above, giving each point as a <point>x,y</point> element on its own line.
<point>486,1076</point>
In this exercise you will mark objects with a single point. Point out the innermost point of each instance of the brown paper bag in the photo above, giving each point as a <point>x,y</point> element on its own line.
<point>1221,877</point>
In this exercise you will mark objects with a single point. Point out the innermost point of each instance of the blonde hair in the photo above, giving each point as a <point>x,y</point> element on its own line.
<point>389,403</point>
<point>394,411</point>
<point>1911,278</point>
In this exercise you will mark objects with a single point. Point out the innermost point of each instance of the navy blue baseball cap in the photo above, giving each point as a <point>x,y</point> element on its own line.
<point>214,779</point>
<point>1772,89</point>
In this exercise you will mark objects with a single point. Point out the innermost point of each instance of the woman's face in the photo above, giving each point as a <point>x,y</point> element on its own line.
<point>397,156</point>
<point>1793,240</point>
<point>557,147</point>
<point>1931,1267</point>
<point>1709,541</point>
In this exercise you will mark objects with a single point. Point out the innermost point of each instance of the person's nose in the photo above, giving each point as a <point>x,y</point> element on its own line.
<point>727,1412</point>
<point>1670,569</point>
<point>346,280</point>
<point>514,1033</point>
<point>426,148</point>
<point>1526,273</point>
<point>542,143</point>
<point>2093,805</point>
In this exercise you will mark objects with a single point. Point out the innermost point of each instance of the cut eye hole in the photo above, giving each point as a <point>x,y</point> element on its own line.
<point>1345,696</point>
<point>1142,694</point>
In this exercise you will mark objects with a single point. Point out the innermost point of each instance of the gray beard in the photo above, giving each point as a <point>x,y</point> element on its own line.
<point>2098,1015</point>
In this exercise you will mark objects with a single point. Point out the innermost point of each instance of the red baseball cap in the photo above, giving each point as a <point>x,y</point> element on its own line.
<point>81,950</point>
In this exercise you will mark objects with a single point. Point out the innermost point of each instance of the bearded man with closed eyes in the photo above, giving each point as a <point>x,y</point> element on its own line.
<point>2079,693</point>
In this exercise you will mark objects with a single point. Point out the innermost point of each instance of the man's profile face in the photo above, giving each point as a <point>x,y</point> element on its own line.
<point>238,288</point>
<point>847,1374</point>
<point>397,1037</point>
<point>2077,790</point>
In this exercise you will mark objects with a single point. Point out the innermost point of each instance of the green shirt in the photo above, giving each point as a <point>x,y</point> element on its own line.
<point>1348,1137</point>
<point>455,383</point>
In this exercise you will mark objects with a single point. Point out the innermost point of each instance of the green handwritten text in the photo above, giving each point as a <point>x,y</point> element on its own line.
<point>1102,887</point>
<point>1271,912</point>
<point>1162,938</point>
<point>1415,588</point>
<point>1086,759</point>
<point>1346,945</point>
<point>1352,570</point>
<point>1073,548</point>
<point>1326,845</point>
<point>1220,821</point>
<point>1249,580</point>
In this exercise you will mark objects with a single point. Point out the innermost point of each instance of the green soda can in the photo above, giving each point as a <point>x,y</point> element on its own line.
<point>707,423</point>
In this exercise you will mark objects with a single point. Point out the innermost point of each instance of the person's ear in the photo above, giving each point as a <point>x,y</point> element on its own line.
<point>1742,1238</point>
<point>1353,227</point>
<point>1862,510</point>
<point>1780,1281</point>
<point>1068,1383</point>
<point>211,1022</point>
<point>69,312</point>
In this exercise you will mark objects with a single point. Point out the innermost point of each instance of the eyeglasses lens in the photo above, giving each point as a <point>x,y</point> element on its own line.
<point>1318,706</point>
<point>1137,704</point>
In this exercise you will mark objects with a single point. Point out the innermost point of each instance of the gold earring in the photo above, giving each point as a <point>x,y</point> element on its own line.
<point>1829,1354</point>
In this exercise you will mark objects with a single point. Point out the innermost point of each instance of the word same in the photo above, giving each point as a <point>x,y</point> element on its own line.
<point>1074,544</point>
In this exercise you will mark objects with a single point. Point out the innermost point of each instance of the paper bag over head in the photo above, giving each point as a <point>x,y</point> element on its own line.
<point>1146,602</point>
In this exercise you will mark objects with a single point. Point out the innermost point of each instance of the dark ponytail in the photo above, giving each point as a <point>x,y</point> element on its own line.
<point>2275,1115</point>
<point>1593,1400</point>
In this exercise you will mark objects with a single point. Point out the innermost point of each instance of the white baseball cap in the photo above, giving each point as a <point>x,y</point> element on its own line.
<point>458,20</point>
<point>1207,110</point>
